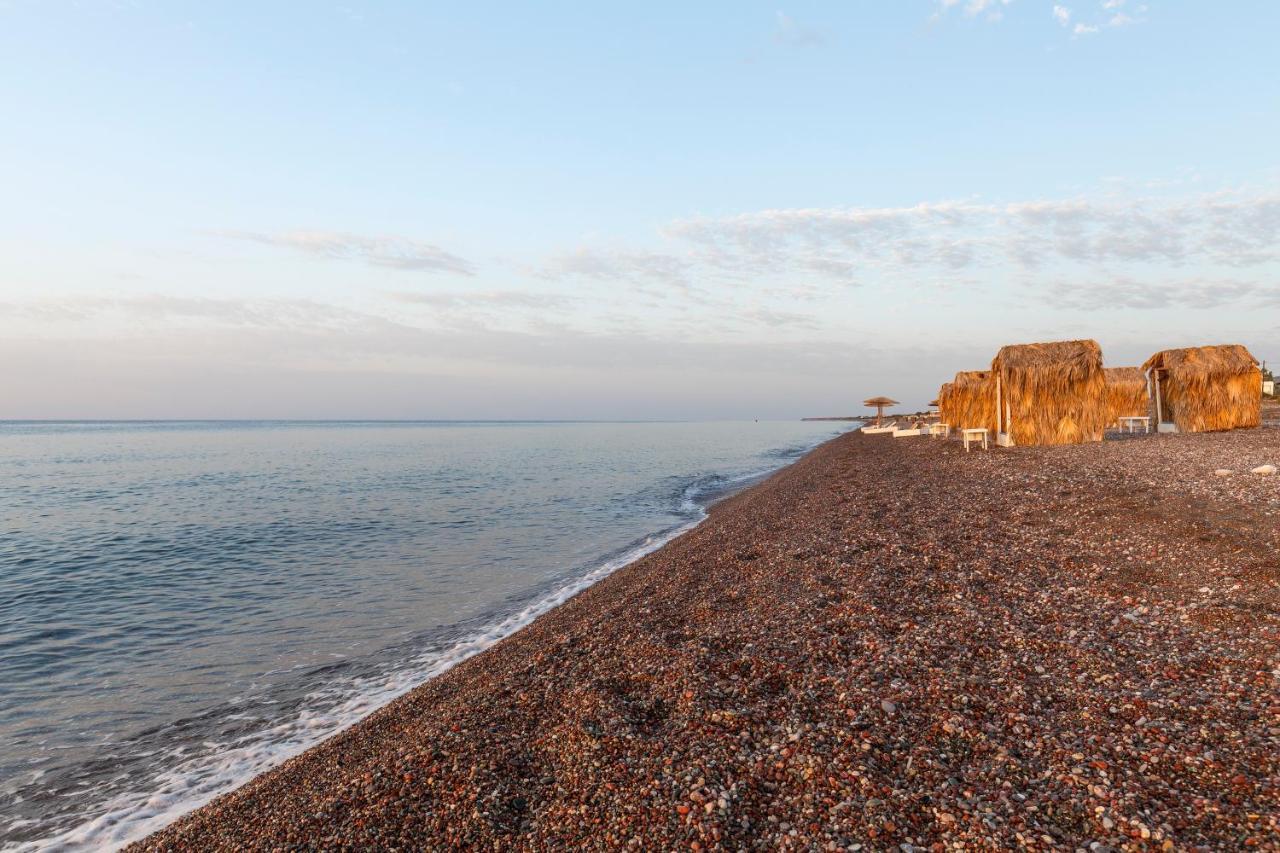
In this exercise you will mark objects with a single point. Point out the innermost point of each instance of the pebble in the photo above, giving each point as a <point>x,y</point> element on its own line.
<point>1093,637</point>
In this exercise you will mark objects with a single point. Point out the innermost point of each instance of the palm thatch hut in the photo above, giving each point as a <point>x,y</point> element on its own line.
<point>1126,393</point>
<point>972,400</point>
<point>944,403</point>
<point>1051,393</point>
<point>1205,389</point>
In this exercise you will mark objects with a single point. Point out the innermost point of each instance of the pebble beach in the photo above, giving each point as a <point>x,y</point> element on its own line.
<point>890,645</point>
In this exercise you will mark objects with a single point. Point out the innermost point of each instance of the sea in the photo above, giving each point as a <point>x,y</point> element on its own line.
<point>184,605</point>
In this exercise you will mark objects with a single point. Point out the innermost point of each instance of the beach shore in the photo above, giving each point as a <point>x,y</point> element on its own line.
<point>890,643</point>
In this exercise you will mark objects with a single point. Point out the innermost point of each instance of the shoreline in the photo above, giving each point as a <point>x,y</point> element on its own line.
<point>781,653</point>
<point>134,815</point>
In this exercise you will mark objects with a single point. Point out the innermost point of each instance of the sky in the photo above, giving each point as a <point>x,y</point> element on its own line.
<point>604,210</point>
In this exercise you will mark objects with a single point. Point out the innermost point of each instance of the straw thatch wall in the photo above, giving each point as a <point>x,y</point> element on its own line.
<point>973,400</point>
<point>1054,393</point>
<point>1207,389</point>
<point>1126,392</point>
<point>945,403</point>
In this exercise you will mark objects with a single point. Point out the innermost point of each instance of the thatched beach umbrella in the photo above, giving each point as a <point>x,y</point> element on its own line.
<point>1049,393</point>
<point>1205,389</point>
<point>880,403</point>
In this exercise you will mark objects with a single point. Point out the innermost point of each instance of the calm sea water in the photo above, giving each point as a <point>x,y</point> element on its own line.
<point>183,605</point>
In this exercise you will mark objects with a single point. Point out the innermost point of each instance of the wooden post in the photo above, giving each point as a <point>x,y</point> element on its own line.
<point>998,404</point>
<point>1155,377</point>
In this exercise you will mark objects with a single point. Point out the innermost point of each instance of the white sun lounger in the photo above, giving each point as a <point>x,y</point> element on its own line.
<point>876,430</point>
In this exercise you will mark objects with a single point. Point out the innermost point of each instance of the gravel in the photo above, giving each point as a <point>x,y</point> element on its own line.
<point>891,644</point>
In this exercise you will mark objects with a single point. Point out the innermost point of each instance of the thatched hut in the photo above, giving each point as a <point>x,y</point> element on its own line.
<point>1126,393</point>
<point>1205,389</point>
<point>1050,393</point>
<point>973,400</point>
<point>944,403</point>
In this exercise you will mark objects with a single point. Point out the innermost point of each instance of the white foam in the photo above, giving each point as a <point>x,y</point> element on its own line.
<point>192,781</point>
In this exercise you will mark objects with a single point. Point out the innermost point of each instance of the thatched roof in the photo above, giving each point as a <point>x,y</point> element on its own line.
<point>880,401</point>
<point>969,377</point>
<point>1205,389</point>
<point>1052,392</point>
<point>1070,359</point>
<point>1189,363</point>
<point>1126,392</point>
<point>1123,375</point>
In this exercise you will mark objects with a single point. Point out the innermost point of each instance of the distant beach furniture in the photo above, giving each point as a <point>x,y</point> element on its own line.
<point>969,400</point>
<point>1049,393</point>
<point>879,403</point>
<point>876,430</point>
<point>1126,393</point>
<point>1205,389</point>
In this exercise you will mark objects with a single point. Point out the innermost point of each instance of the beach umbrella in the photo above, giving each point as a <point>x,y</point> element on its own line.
<point>879,403</point>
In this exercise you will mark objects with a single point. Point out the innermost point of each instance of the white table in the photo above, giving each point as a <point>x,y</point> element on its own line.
<point>939,429</point>
<point>974,434</point>
<point>1130,423</point>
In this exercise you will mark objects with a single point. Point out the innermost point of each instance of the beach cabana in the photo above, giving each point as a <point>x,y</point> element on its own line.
<point>944,403</point>
<point>1205,389</point>
<point>1126,393</point>
<point>972,400</point>
<point>1050,393</point>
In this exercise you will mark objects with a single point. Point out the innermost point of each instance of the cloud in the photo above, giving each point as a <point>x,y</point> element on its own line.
<point>1239,231</point>
<point>1131,294</point>
<point>973,8</point>
<point>636,266</point>
<point>490,298</point>
<point>938,240</point>
<point>788,32</point>
<point>379,251</point>
<point>976,7</point>
<point>778,319</point>
<point>1114,18</point>
<point>177,310</point>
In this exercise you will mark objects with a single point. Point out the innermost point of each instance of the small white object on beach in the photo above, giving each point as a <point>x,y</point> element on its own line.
<point>1223,472</point>
<point>1265,470</point>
